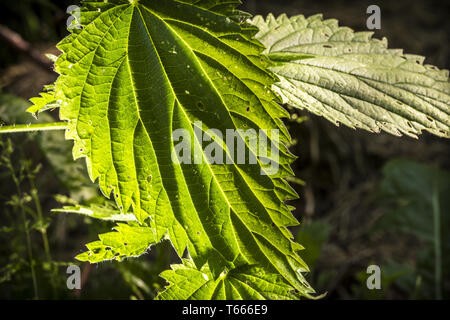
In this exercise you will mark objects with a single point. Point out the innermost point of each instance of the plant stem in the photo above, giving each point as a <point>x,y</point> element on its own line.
<point>43,231</point>
<point>437,242</point>
<point>35,196</point>
<point>27,231</point>
<point>30,253</point>
<point>33,127</point>
<point>25,224</point>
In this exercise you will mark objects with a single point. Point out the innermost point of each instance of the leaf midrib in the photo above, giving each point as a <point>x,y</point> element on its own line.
<point>181,107</point>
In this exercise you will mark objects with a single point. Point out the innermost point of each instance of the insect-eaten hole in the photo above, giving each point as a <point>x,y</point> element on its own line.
<point>200,105</point>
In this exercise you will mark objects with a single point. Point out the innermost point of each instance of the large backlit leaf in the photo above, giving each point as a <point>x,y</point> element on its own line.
<point>353,79</point>
<point>246,283</point>
<point>138,70</point>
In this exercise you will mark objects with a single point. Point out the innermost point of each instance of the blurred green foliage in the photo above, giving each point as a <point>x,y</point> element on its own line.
<point>419,205</point>
<point>414,200</point>
<point>37,174</point>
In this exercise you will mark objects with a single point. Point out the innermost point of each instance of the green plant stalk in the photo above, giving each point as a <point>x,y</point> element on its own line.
<point>437,242</point>
<point>40,217</point>
<point>27,232</point>
<point>43,231</point>
<point>33,127</point>
<point>30,254</point>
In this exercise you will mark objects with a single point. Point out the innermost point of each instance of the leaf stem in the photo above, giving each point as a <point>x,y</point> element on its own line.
<point>17,128</point>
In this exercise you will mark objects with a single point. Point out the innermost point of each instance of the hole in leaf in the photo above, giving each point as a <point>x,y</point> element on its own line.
<point>200,105</point>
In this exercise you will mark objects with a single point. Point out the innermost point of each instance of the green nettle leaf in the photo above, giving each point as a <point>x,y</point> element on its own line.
<point>128,241</point>
<point>246,283</point>
<point>350,78</point>
<point>139,70</point>
<point>45,102</point>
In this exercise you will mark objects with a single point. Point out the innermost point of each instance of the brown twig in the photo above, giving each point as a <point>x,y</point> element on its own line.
<point>14,40</point>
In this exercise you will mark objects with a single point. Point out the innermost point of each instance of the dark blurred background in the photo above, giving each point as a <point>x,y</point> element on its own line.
<point>367,199</point>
